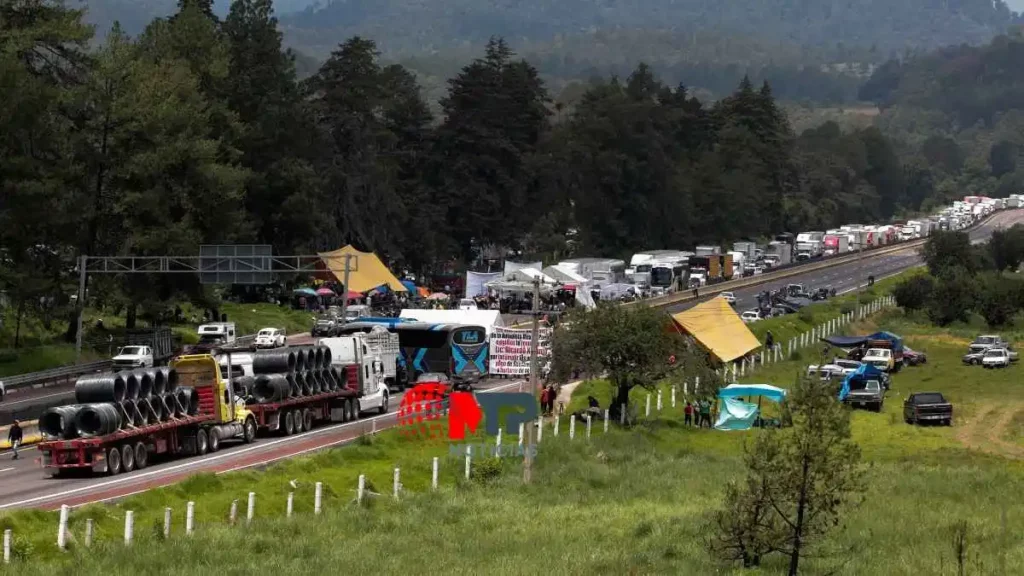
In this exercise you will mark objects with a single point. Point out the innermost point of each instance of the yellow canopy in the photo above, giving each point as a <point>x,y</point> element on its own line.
<point>717,327</point>
<point>366,271</point>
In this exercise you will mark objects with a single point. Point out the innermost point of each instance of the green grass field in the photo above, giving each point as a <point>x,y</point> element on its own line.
<point>632,501</point>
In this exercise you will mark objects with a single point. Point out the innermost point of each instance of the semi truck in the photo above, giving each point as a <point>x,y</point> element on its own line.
<point>221,415</point>
<point>836,244</point>
<point>379,345</point>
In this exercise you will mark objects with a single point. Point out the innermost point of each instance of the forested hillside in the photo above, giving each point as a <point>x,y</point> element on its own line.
<point>198,131</point>
<point>961,109</point>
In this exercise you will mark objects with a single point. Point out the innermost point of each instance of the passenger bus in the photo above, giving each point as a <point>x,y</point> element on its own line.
<point>458,351</point>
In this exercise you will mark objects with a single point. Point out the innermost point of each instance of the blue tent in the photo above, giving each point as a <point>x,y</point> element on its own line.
<point>739,415</point>
<point>846,341</point>
<point>410,286</point>
<point>864,372</point>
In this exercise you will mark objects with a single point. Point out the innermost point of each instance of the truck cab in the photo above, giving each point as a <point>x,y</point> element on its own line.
<point>129,357</point>
<point>881,358</point>
<point>353,349</point>
<point>356,311</point>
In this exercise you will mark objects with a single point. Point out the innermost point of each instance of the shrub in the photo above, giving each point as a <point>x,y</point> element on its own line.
<point>952,299</point>
<point>914,292</point>
<point>806,315</point>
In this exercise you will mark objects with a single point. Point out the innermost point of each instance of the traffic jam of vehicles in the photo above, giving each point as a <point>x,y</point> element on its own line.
<point>155,404</point>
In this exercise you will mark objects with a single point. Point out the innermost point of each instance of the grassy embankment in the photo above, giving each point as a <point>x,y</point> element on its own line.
<point>630,502</point>
<point>42,348</point>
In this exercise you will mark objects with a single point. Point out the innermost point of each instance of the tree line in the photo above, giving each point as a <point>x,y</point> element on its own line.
<point>198,131</point>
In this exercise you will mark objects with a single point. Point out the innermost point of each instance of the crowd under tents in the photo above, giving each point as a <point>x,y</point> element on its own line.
<point>738,414</point>
<point>366,271</point>
<point>718,329</point>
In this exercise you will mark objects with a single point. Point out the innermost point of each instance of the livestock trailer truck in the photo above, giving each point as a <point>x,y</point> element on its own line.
<point>217,413</point>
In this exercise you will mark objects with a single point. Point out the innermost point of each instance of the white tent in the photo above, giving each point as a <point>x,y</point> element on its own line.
<point>511,266</point>
<point>564,275</point>
<point>476,283</point>
<point>522,281</point>
<point>486,318</point>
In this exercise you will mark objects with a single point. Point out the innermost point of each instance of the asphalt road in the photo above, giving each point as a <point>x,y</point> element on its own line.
<point>849,277</point>
<point>23,484</point>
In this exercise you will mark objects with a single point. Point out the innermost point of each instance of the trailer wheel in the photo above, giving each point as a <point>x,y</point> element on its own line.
<point>141,456</point>
<point>113,461</point>
<point>249,430</point>
<point>307,420</point>
<point>202,443</point>
<point>289,423</point>
<point>214,440</point>
<point>128,458</point>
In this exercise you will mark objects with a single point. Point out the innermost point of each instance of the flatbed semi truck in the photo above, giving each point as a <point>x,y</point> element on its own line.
<point>221,416</point>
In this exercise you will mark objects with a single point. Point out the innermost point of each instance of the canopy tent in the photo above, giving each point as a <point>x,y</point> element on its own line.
<point>863,372</point>
<point>845,341</point>
<point>719,329</point>
<point>564,275</point>
<point>324,291</point>
<point>737,414</point>
<point>366,273</point>
<point>488,319</point>
<point>409,285</point>
<point>616,291</point>
<point>476,283</point>
<point>304,292</point>
<point>511,266</point>
<point>521,280</point>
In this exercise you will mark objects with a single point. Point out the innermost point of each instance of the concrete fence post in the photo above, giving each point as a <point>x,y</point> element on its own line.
<point>290,505</point>
<point>129,527</point>
<point>540,429</point>
<point>589,419</point>
<point>396,484</point>
<point>606,417</point>
<point>469,461</point>
<point>522,433</point>
<point>433,473</point>
<point>361,486</point>
<point>233,513</point>
<point>318,494</point>
<point>659,401</point>
<point>558,417</point>
<point>88,532</point>
<point>762,357</point>
<point>572,426</point>
<point>7,546</point>
<point>62,527</point>
<point>696,384</point>
<point>497,442</point>
<point>250,510</point>
<point>167,523</point>
<point>647,410</point>
<point>190,518</point>
<point>673,399</point>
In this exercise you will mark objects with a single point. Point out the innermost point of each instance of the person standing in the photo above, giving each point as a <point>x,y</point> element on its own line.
<point>688,414</point>
<point>15,435</point>
<point>705,412</point>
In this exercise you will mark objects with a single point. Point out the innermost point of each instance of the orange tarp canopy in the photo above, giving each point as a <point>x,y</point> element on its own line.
<point>718,328</point>
<point>366,271</point>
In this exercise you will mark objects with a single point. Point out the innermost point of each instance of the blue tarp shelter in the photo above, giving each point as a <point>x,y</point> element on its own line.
<point>736,414</point>
<point>846,341</point>
<point>865,372</point>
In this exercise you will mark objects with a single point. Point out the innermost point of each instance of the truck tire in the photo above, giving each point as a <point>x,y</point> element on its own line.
<point>113,461</point>
<point>141,456</point>
<point>214,440</point>
<point>384,403</point>
<point>353,409</point>
<point>249,430</point>
<point>307,420</point>
<point>202,443</point>
<point>128,458</point>
<point>289,423</point>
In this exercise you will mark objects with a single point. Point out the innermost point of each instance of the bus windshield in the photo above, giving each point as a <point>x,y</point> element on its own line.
<point>661,276</point>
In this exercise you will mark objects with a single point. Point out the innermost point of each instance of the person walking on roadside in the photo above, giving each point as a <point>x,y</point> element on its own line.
<point>688,414</point>
<point>705,413</point>
<point>15,435</point>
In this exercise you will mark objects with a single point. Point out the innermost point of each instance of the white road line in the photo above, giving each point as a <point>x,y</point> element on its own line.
<point>192,463</point>
<point>38,398</point>
<point>6,469</point>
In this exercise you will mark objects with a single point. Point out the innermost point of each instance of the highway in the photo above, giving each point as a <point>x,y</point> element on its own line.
<point>22,482</point>
<point>24,485</point>
<point>849,277</point>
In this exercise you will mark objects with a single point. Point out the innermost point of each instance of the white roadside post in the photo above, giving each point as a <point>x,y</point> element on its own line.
<point>588,426</point>
<point>88,532</point>
<point>497,442</point>
<point>540,429</point>
<point>233,514</point>
<point>647,410</point>
<point>522,433</point>
<point>469,460</point>
<point>62,527</point>
<point>361,486</point>
<point>433,473</point>
<point>558,417</point>
<point>396,483</point>
<point>167,523</point>
<point>606,416</point>
<point>572,426</point>
<point>696,384</point>
<point>250,510</point>
<point>190,518</point>
<point>659,400</point>
<point>7,546</point>
<point>290,506</point>
<point>129,527</point>
<point>318,494</point>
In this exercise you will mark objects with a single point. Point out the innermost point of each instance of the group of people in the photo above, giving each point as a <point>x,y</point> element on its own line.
<point>697,413</point>
<point>547,399</point>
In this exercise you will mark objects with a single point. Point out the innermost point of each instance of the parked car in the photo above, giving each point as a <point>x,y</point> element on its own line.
<point>866,393</point>
<point>914,357</point>
<point>750,316</point>
<point>927,407</point>
<point>729,297</point>
<point>270,338</point>
<point>984,342</point>
<point>995,358</point>
<point>325,325</point>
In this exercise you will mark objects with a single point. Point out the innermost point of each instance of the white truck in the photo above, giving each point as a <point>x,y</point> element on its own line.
<point>129,357</point>
<point>353,349</point>
<point>380,345</point>
<point>217,333</point>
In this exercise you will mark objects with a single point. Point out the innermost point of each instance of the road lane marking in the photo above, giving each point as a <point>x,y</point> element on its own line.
<point>192,463</point>
<point>6,469</point>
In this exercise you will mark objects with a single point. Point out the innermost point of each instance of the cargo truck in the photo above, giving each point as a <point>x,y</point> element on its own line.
<point>708,250</point>
<point>836,244</point>
<point>380,345</point>
<point>220,415</point>
<point>145,348</point>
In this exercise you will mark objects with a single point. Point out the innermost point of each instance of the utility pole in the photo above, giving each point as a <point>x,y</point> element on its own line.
<point>534,382</point>
<point>80,304</point>
<point>344,297</point>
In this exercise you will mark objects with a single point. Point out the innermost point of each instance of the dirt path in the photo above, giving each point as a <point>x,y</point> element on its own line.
<point>987,430</point>
<point>565,395</point>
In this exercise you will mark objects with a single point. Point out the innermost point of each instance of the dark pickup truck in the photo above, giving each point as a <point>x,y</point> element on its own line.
<point>927,407</point>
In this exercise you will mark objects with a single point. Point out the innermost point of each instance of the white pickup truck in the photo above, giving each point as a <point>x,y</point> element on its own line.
<point>134,357</point>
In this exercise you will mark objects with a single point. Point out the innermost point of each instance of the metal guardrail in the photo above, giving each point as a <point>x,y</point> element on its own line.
<point>66,374</point>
